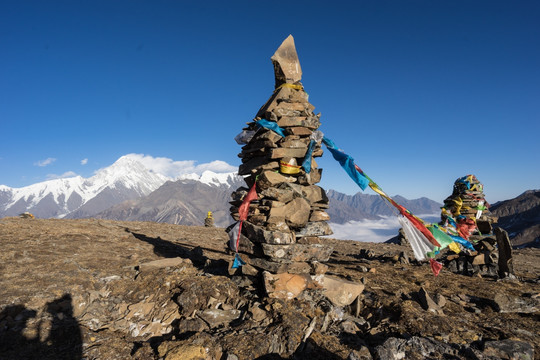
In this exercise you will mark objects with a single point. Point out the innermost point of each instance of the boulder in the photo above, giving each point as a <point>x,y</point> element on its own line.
<point>339,291</point>
<point>311,122</point>
<point>217,317</point>
<point>428,303</point>
<point>279,267</point>
<point>270,179</point>
<point>282,195</point>
<point>280,153</point>
<point>295,143</point>
<point>185,351</point>
<point>421,348</point>
<point>297,212</point>
<point>164,263</point>
<point>285,286</point>
<point>258,234</point>
<point>505,253</point>
<point>509,349</point>
<point>314,194</point>
<point>316,228</point>
<point>299,130</point>
<point>277,223</point>
<point>513,304</point>
<point>319,215</point>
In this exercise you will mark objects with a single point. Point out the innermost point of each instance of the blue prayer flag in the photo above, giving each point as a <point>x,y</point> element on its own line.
<point>306,164</point>
<point>237,261</point>
<point>463,242</point>
<point>347,163</point>
<point>271,126</point>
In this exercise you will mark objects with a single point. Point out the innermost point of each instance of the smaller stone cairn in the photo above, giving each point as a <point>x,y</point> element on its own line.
<point>467,205</point>
<point>282,231</point>
<point>468,199</point>
<point>209,220</point>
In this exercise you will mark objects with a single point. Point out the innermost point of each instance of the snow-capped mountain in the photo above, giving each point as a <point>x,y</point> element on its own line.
<point>77,197</point>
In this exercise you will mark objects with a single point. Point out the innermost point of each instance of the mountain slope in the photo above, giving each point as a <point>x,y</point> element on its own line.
<point>520,217</point>
<point>182,202</point>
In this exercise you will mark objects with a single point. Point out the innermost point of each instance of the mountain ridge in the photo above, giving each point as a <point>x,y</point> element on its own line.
<point>128,190</point>
<point>121,191</point>
<point>77,197</point>
<point>362,206</point>
<point>520,217</point>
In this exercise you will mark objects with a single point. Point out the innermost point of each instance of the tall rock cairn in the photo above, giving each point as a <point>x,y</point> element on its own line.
<point>282,231</point>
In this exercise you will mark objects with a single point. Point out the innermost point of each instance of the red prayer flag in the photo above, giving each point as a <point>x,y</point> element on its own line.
<point>435,266</point>
<point>244,208</point>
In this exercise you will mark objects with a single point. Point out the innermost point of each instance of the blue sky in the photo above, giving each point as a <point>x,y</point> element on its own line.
<point>420,93</point>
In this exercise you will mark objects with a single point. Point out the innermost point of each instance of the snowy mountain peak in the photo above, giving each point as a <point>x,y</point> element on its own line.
<point>127,172</point>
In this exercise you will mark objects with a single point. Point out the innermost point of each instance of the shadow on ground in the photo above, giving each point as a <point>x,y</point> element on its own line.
<point>19,341</point>
<point>168,249</point>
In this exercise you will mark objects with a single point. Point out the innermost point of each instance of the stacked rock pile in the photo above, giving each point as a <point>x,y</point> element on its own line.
<point>209,220</point>
<point>467,200</point>
<point>283,227</point>
<point>468,207</point>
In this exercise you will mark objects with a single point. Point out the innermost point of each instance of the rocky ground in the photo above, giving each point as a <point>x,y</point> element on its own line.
<point>98,289</point>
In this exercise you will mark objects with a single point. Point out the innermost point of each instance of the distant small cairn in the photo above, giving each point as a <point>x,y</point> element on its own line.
<point>209,220</point>
<point>26,215</point>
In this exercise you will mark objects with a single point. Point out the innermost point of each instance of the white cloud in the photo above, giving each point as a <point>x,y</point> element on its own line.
<point>174,169</point>
<point>216,166</point>
<point>67,174</point>
<point>45,162</point>
<point>373,230</point>
<point>84,161</point>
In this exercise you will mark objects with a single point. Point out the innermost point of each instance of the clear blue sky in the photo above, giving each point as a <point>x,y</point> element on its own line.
<point>418,92</point>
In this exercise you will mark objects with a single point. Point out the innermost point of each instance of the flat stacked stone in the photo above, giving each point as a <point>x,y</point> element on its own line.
<point>284,224</point>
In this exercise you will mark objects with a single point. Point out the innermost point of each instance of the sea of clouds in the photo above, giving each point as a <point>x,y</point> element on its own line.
<point>373,230</point>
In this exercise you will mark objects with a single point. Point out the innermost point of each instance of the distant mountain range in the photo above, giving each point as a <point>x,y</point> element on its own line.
<point>520,217</point>
<point>125,180</point>
<point>361,206</point>
<point>79,197</point>
<point>127,190</point>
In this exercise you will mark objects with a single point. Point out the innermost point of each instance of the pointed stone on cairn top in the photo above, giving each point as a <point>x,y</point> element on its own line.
<point>286,64</point>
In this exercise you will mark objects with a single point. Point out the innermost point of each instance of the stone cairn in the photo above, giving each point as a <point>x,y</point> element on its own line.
<point>492,255</point>
<point>209,220</point>
<point>282,231</point>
